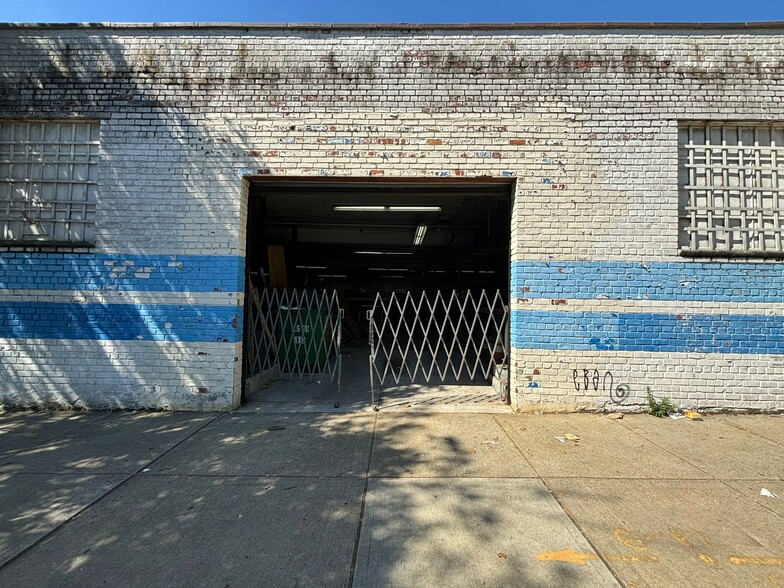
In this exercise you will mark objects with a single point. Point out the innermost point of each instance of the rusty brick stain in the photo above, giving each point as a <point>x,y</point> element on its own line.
<point>435,142</point>
<point>517,141</point>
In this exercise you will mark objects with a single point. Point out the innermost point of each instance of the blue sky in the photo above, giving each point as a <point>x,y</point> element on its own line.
<point>442,11</point>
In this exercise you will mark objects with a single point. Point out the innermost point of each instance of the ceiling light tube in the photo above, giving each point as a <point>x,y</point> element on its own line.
<point>332,276</point>
<point>419,236</point>
<point>358,208</point>
<point>387,269</point>
<point>315,267</point>
<point>384,252</point>
<point>414,208</point>
<point>384,208</point>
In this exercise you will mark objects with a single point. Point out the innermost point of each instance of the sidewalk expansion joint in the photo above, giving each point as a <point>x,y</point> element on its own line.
<point>565,510</point>
<point>721,480</point>
<point>107,493</point>
<point>355,549</point>
<point>282,476</point>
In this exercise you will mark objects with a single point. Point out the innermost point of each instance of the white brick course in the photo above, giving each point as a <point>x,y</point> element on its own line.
<point>585,120</point>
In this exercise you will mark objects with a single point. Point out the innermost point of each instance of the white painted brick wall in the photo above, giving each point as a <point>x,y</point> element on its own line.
<point>585,120</point>
<point>118,375</point>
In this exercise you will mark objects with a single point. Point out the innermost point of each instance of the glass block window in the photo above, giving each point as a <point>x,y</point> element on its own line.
<point>48,182</point>
<point>731,182</point>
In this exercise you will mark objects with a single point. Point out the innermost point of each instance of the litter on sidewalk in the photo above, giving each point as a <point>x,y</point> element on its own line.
<point>568,437</point>
<point>692,415</point>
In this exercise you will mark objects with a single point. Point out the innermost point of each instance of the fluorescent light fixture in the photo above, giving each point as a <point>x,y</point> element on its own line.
<point>414,208</point>
<point>392,277</point>
<point>319,267</point>
<point>357,208</point>
<point>466,271</point>
<point>384,208</point>
<point>384,252</point>
<point>387,269</point>
<point>419,236</point>
<point>486,272</point>
<point>436,271</point>
<point>332,276</point>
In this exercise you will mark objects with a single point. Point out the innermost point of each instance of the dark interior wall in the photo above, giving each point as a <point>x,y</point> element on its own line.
<point>466,243</point>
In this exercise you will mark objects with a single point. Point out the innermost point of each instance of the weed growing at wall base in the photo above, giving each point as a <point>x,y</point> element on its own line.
<point>658,408</point>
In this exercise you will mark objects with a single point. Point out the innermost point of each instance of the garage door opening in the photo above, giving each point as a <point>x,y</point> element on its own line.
<point>417,273</point>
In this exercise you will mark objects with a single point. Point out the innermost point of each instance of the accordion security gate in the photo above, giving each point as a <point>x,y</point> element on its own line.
<point>294,333</point>
<point>435,337</point>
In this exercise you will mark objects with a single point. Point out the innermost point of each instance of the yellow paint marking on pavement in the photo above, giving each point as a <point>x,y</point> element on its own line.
<point>757,561</point>
<point>631,558</point>
<point>571,556</point>
<point>568,556</point>
<point>624,537</point>
<point>707,559</point>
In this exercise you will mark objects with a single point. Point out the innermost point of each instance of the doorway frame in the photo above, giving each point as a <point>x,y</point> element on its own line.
<point>247,180</point>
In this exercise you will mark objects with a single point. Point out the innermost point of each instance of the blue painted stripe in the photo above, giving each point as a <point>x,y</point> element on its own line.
<point>616,280</point>
<point>126,273</point>
<point>120,322</point>
<point>600,331</point>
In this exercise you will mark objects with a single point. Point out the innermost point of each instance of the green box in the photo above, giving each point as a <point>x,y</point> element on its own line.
<point>303,337</point>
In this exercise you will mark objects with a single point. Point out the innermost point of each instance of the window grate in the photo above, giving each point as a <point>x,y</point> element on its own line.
<point>48,182</point>
<point>731,189</point>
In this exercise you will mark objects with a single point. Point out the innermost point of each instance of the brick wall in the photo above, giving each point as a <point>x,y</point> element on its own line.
<point>586,120</point>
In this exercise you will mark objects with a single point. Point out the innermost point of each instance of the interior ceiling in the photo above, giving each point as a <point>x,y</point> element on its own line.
<point>470,231</point>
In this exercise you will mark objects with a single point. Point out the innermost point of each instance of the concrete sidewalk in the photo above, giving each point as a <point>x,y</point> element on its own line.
<point>389,499</point>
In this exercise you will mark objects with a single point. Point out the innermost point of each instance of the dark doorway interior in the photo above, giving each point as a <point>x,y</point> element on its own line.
<point>363,239</point>
<point>371,246</point>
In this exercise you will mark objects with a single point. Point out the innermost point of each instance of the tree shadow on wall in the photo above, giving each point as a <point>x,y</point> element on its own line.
<point>168,184</point>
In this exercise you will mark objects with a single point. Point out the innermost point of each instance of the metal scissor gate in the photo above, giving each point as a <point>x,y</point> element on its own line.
<point>294,332</point>
<point>436,337</point>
